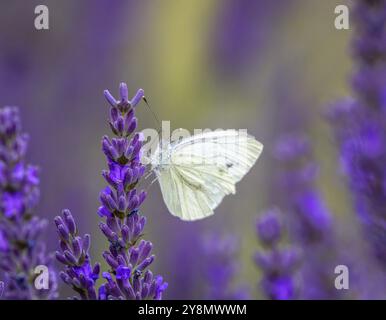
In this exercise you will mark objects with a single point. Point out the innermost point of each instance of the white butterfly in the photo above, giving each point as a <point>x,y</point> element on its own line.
<point>196,173</point>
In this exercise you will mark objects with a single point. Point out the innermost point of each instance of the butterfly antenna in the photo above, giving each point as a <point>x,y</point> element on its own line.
<point>153,113</point>
<point>155,118</point>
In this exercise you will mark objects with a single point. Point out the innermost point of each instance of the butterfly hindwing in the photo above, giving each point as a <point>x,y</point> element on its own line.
<point>183,199</point>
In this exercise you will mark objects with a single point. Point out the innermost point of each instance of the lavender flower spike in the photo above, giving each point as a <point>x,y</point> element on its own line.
<point>309,221</point>
<point>360,124</point>
<point>128,256</point>
<point>21,249</point>
<point>74,254</point>
<point>220,266</point>
<point>279,265</point>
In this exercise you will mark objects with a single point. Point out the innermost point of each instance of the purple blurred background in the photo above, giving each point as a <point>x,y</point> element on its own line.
<point>273,67</point>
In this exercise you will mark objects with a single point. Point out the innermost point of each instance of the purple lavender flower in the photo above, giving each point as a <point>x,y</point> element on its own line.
<point>74,254</point>
<point>279,265</point>
<point>296,177</point>
<point>360,123</point>
<point>308,218</point>
<point>220,267</point>
<point>128,256</point>
<point>269,228</point>
<point>21,249</point>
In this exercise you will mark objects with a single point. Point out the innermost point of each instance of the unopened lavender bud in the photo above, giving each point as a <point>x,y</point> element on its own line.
<point>122,204</point>
<point>148,276</point>
<point>123,91</point>
<point>145,251</point>
<point>142,197</point>
<point>125,233</point>
<point>70,257</point>
<point>63,232</point>
<point>104,212</point>
<point>69,220</point>
<point>112,236</point>
<point>58,221</point>
<point>120,125</point>
<point>60,257</point>
<point>132,125</point>
<point>77,247</point>
<point>96,269</point>
<point>112,224</point>
<point>134,256</point>
<point>110,99</point>
<point>142,222</point>
<point>129,152</point>
<point>145,263</point>
<point>133,203</point>
<point>137,231</point>
<point>110,260</point>
<point>114,114</point>
<point>138,97</point>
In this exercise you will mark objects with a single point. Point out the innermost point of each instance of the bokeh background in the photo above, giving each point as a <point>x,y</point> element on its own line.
<point>267,66</point>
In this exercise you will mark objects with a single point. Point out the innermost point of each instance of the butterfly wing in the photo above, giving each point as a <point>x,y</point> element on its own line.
<point>204,169</point>
<point>231,151</point>
<point>183,198</point>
